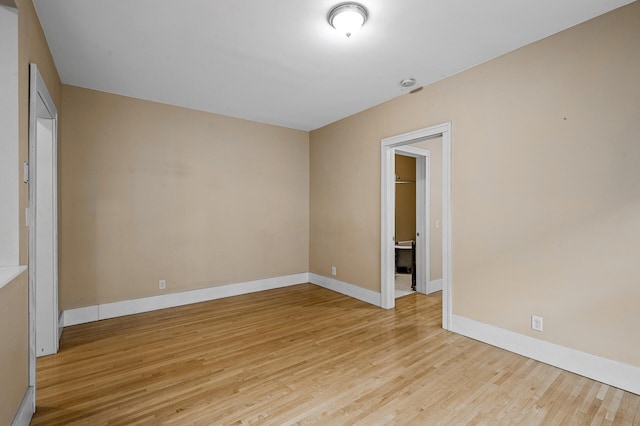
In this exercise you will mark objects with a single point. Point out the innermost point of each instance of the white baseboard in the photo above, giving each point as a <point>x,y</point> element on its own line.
<point>80,315</point>
<point>614,373</point>
<point>26,409</point>
<point>135,306</point>
<point>433,286</point>
<point>146,304</point>
<point>366,295</point>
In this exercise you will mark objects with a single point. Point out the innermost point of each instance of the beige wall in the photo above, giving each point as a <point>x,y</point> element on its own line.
<point>345,200</point>
<point>546,195</point>
<point>405,198</point>
<point>33,48</point>
<point>152,191</point>
<point>434,146</point>
<point>14,333</point>
<point>14,350</point>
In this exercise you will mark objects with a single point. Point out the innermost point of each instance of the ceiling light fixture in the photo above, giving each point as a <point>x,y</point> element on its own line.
<point>348,17</point>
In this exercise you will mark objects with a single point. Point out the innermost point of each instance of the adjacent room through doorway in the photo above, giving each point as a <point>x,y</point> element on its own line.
<point>418,217</point>
<point>405,226</point>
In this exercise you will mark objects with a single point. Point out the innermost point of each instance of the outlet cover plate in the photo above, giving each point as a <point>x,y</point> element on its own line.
<point>536,323</point>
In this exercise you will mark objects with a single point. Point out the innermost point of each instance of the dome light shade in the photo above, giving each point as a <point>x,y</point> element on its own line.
<point>347,18</point>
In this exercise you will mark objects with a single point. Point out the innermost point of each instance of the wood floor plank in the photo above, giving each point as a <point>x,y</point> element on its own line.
<point>306,355</point>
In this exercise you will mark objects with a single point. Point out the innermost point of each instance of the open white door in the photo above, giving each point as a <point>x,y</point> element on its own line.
<point>43,229</point>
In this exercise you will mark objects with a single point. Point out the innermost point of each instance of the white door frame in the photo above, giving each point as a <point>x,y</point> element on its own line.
<point>387,226</point>
<point>42,111</point>
<point>422,237</point>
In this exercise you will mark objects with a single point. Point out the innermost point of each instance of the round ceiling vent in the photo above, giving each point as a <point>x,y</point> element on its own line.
<point>408,82</point>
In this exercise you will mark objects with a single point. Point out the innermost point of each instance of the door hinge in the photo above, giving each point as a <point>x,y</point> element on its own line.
<point>25,172</point>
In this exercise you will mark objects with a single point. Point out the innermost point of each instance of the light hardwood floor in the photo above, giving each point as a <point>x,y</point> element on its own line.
<point>304,354</point>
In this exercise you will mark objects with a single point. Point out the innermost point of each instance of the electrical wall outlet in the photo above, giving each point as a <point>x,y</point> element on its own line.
<point>333,271</point>
<point>162,284</point>
<point>536,323</point>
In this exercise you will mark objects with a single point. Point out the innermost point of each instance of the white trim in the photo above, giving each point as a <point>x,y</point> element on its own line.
<point>360,293</point>
<point>10,273</point>
<point>153,303</point>
<point>447,279</point>
<point>412,151</point>
<point>26,410</point>
<point>387,177</point>
<point>434,285</point>
<point>417,135</point>
<point>423,221</point>
<point>387,227</point>
<point>37,88</point>
<point>80,315</point>
<point>92,313</point>
<point>614,373</point>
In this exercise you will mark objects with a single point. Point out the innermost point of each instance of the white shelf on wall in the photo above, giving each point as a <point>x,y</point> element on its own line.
<point>9,273</point>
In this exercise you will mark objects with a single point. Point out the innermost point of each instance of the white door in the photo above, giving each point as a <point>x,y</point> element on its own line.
<point>43,238</point>
<point>423,237</point>
<point>44,273</point>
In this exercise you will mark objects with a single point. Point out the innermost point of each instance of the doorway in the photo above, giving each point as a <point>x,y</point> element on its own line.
<point>389,146</point>
<point>411,208</point>
<point>44,331</point>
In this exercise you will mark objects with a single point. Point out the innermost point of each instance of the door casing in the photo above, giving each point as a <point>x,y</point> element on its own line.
<point>43,242</point>
<point>387,223</point>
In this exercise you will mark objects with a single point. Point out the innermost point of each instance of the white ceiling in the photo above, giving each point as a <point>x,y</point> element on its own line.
<point>279,61</point>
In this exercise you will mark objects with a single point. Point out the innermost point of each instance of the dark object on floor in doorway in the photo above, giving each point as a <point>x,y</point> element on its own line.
<point>413,265</point>
<point>406,259</point>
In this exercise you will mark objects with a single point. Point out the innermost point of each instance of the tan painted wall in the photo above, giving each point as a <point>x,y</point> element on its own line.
<point>14,309</point>
<point>546,186</point>
<point>33,48</point>
<point>14,350</point>
<point>152,191</point>
<point>405,199</point>
<point>434,146</point>
<point>345,201</point>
